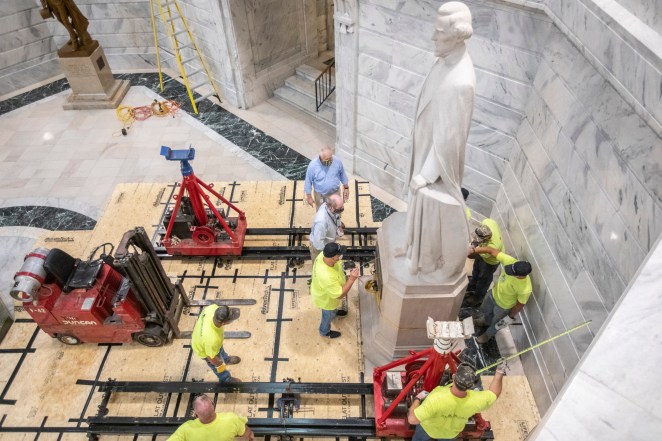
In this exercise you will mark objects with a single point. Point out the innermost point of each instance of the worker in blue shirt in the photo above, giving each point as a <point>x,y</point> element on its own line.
<point>324,176</point>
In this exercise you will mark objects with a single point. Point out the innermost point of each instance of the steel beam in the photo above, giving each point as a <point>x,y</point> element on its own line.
<point>247,387</point>
<point>350,427</point>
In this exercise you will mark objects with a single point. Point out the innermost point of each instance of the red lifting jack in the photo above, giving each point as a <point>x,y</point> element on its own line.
<point>195,227</point>
<point>424,370</point>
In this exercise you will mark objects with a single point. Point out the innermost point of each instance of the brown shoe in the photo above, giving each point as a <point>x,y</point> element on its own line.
<point>482,339</point>
<point>233,359</point>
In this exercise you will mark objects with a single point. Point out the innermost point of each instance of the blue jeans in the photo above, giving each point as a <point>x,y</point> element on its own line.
<point>492,313</point>
<point>327,318</point>
<point>421,435</point>
<point>223,377</point>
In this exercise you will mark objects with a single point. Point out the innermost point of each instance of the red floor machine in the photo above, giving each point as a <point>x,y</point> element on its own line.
<point>395,390</point>
<point>195,227</point>
<point>108,299</point>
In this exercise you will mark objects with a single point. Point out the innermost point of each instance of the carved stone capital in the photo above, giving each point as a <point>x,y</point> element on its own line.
<point>345,22</point>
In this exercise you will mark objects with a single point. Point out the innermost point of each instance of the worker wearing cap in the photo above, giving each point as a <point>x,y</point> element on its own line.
<point>325,174</point>
<point>208,336</point>
<point>329,286</point>
<point>487,234</point>
<point>508,296</point>
<point>443,413</point>
<point>212,426</point>
<point>327,225</point>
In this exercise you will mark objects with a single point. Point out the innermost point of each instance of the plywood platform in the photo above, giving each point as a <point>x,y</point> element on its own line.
<point>38,374</point>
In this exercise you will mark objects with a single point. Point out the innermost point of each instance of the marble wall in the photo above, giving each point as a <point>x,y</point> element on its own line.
<point>648,11</point>
<point>273,38</point>
<point>612,395</point>
<point>564,151</point>
<point>28,49</point>
<point>26,44</point>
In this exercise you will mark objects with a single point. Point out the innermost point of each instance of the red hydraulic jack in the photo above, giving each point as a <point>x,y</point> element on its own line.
<point>195,227</point>
<point>423,371</point>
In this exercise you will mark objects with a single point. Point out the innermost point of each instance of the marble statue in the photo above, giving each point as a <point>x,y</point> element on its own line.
<point>67,13</point>
<point>436,221</point>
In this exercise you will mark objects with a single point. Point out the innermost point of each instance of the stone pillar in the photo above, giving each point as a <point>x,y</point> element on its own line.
<point>346,53</point>
<point>92,83</point>
<point>396,324</point>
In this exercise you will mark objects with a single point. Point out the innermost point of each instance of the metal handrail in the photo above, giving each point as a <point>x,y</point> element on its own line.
<point>324,85</point>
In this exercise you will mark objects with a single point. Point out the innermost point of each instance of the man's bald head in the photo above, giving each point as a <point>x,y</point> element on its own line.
<point>326,153</point>
<point>204,409</point>
<point>335,202</point>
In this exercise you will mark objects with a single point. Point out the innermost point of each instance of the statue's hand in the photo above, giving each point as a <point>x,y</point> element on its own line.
<point>417,182</point>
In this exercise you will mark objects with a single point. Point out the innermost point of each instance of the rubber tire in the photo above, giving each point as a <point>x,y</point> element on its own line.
<point>150,337</point>
<point>69,340</point>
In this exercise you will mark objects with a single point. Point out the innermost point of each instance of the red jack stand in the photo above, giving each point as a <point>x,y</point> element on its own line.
<point>423,371</point>
<point>195,227</point>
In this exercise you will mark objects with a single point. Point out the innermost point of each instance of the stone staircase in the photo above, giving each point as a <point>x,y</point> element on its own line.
<point>299,91</point>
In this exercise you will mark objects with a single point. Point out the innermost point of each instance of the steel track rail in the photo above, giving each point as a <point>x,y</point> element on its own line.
<point>215,387</point>
<point>308,427</point>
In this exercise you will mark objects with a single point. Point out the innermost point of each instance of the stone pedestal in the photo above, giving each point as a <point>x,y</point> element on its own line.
<point>389,330</point>
<point>92,83</point>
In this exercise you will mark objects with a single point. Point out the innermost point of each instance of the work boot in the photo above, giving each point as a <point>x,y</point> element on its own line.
<point>233,359</point>
<point>233,380</point>
<point>482,339</point>
<point>332,334</point>
<point>341,313</point>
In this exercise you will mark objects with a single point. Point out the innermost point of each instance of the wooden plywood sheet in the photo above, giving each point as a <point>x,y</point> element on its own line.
<point>514,415</point>
<point>40,373</point>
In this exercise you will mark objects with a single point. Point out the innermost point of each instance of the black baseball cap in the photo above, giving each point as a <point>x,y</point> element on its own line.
<point>519,268</point>
<point>333,249</point>
<point>465,377</point>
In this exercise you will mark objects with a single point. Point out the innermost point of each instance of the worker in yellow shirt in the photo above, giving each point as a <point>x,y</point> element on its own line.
<point>508,296</point>
<point>329,285</point>
<point>208,336</point>
<point>467,210</point>
<point>212,426</point>
<point>442,414</point>
<point>487,234</point>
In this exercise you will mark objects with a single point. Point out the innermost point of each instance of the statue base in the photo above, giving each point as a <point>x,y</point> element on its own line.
<point>92,83</point>
<point>397,324</point>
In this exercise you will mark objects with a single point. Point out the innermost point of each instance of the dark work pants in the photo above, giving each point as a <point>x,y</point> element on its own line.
<point>481,278</point>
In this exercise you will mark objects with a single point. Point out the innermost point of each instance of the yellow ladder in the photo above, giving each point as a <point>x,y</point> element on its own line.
<point>176,27</point>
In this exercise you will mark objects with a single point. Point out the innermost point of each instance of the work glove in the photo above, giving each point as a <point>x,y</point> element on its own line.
<point>421,395</point>
<point>504,322</point>
<point>221,368</point>
<point>503,367</point>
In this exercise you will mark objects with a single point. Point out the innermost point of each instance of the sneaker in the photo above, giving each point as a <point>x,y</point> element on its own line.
<point>233,359</point>
<point>341,313</point>
<point>332,334</point>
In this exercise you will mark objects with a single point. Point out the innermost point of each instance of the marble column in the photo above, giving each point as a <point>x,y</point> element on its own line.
<point>346,49</point>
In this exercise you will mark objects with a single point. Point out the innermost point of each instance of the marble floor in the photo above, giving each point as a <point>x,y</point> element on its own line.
<point>58,168</point>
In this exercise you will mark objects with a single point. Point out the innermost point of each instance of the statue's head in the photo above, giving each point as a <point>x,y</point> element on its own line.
<point>452,27</point>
